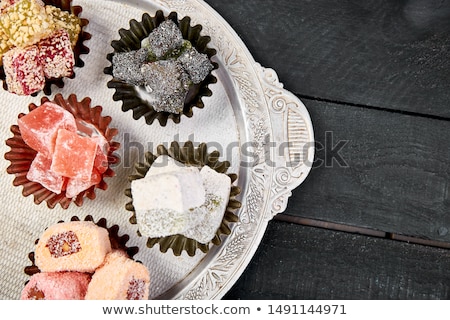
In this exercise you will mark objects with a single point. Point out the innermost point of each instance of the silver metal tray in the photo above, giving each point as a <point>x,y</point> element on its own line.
<point>262,129</point>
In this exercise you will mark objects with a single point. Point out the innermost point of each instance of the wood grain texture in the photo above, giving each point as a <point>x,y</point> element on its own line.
<point>380,170</point>
<point>295,262</point>
<point>385,54</point>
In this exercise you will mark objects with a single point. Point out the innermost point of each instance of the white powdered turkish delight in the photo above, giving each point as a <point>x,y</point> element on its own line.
<point>164,203</point>
<point>217,188</point>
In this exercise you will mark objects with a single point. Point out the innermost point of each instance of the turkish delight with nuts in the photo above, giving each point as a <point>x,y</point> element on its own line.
<point>56,55</point>
<point>24,73</point>
<point>67,21</point>
<point>25,23</point>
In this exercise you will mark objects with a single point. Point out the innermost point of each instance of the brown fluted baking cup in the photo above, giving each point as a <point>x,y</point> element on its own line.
<point>190,156</point>
<point>79,49</point>
<point>130,40</point>
<point>118,242</point>
<point>21,155</point>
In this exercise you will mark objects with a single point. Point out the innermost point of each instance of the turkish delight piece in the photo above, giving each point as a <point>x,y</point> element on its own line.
<point>74,155</point>
<point>196,64</point>
<point>72,246</point>
<point>40,172</point>
<point>56,286</point>
<point>163,39</point>
<point>167,81</point>
<point>120,278</point>
<point>217,188</point>
<point>4,44</point>
<point>67,21</point>
<point>5,4</point>
<point>101,155</point>
<point>163,202</point>
<point>166,164</point>
<point>39,128</point>
<point>127,66</point>
<point>56,55</point>
<point>77,185</point>
<point>24,74</point>
<point>26,22</point>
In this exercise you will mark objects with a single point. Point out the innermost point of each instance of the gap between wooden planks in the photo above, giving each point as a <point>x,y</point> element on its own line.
<point>360,230</point>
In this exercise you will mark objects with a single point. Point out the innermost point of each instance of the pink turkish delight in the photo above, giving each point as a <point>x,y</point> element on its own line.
<point>56,286</point>
<point>40,172</point>
<point>24,73</point>
<point>39,128</point>
<point>74,155</point>
<point>56,55</point>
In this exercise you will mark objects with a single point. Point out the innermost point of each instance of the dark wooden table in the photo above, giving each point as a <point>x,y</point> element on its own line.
<point>372,220</point>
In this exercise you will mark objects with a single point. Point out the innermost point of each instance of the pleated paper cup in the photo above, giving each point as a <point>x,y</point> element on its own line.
<point>21,155</point>
<point>197,157</point>
<point>132,96</point>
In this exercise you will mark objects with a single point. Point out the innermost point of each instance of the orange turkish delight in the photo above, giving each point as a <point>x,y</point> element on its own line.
<point>40,127</point>
<point>56,55</point>
<point>24,73</point>
<point>74,155</point>
<point>71,156</point>
<point>40,172</point>
<point>101,158</point>
<point>76,185</point>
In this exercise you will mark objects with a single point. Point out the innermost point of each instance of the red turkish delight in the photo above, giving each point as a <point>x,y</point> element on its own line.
<point>74,155</point>
<point>24,73</point>
<point>56,55</point>
<point>40,172</point>
<point>39,128</point>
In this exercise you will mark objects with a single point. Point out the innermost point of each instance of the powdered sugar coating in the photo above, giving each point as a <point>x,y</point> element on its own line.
<point>39,128</point>
<point>40,172</point>
<point>74,155</point>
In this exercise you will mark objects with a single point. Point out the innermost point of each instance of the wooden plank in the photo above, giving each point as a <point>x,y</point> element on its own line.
<point>385,54</point>
<point>296,262</point>
<point>378,170</point>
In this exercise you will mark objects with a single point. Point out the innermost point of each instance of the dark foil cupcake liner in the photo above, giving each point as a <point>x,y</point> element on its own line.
<point>80,48</point>
<point>118,242</point>
<point>190,156</point>
<point>21,155</point>
<point>130,39</point>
